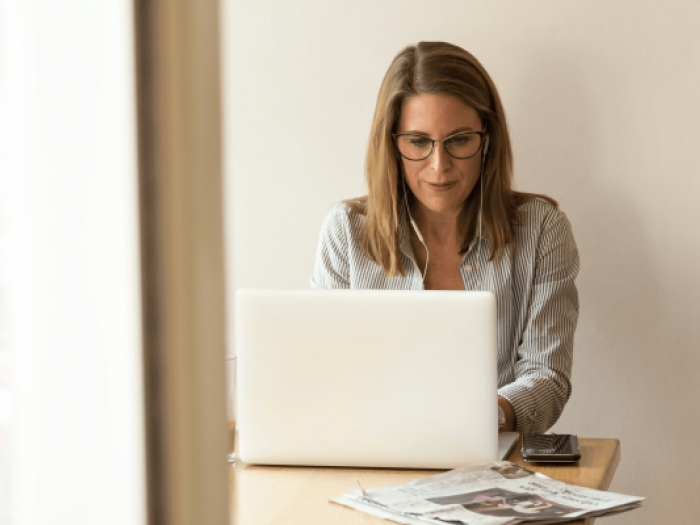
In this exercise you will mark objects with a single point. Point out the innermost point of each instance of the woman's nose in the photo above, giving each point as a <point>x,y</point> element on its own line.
<point>441,161</point>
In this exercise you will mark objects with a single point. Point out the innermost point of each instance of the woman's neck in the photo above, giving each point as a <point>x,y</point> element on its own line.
<point>442,227</point>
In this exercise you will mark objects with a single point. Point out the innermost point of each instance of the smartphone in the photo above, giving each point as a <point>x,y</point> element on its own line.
<point>551,447</point>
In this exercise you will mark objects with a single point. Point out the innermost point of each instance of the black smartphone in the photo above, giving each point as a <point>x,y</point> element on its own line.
<point>551,447</point>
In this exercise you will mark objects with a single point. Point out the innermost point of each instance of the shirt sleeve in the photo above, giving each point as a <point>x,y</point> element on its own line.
<point>331,268</point>
<point>542,383</point>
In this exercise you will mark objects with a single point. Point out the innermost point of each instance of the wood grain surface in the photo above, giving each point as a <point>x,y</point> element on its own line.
<point>262,495</point>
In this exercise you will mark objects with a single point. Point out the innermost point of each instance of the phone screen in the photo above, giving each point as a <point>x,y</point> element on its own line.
<point>550,444</point>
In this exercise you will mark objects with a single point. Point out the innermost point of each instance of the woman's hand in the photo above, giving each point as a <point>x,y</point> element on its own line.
<point>510,415</point>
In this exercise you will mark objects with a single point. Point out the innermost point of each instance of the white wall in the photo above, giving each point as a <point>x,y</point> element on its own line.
<point>602,99</point>
<point>70,269</point>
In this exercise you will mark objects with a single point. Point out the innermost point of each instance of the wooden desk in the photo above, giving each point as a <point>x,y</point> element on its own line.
<point>299,495</point>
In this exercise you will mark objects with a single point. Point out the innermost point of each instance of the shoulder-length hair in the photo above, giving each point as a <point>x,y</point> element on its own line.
<point>437,68</point>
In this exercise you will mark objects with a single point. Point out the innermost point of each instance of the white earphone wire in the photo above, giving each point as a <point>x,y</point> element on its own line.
<point>414,225</point>
<point>481,200</point>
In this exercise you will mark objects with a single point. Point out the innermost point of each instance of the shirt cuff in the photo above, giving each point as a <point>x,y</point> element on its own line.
<point>524,406</point>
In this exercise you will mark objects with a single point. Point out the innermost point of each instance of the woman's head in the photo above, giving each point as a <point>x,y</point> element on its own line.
<point>437,71</point>
<point>442,69</point>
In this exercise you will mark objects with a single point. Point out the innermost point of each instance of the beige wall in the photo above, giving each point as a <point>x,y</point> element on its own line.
<point>603,106</point>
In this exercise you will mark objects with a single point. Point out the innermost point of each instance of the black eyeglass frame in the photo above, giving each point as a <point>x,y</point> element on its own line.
<point>432,146</point>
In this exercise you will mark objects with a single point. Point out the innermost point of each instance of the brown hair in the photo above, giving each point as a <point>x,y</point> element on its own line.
<point>437,68</point>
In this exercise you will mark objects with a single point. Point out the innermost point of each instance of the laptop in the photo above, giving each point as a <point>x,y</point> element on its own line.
<point>367,378</point>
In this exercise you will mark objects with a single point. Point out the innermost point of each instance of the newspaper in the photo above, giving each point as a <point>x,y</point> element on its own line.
<point>496,493</point>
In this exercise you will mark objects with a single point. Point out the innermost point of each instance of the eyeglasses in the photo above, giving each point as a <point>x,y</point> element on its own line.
<point>419,147</point>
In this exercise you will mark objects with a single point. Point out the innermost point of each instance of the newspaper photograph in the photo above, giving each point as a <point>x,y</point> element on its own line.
<point>486,494</point>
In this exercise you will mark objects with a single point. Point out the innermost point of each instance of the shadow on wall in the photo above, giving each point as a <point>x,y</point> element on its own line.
<point>635,356</point>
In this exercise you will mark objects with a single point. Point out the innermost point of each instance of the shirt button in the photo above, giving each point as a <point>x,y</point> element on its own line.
<point>469,267</point>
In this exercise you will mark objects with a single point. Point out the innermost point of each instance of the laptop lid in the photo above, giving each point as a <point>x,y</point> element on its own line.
<point>366,378</point>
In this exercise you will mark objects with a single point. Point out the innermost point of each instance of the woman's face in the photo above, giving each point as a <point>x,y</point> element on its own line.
<point>440,183</point>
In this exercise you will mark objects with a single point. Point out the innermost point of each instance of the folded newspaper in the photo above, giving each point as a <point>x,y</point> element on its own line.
<point>486,494</point>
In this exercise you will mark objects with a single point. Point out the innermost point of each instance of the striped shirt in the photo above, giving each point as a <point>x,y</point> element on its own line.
<point>537,300</point>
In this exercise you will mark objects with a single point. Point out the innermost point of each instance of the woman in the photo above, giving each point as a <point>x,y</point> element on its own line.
<point>441,215</point>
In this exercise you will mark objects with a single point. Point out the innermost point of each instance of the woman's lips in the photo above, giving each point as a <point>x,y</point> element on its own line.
<point>443,186</point>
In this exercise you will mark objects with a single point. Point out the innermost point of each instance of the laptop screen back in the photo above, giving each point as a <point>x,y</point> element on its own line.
<point>366,378</point>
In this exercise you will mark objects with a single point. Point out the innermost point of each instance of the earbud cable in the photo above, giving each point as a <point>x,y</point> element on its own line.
<point>415,226</point>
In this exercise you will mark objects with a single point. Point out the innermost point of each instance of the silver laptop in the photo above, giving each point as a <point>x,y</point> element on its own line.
<point>401,379</point>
